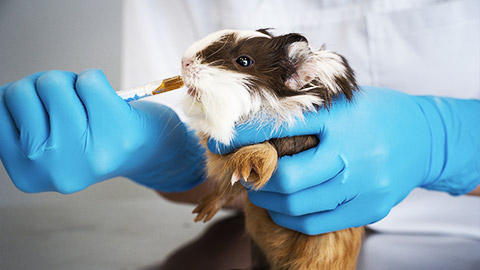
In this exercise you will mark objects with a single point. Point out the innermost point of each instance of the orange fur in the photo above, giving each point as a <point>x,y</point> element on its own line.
<point>287,249</point>
<point>284,249</point>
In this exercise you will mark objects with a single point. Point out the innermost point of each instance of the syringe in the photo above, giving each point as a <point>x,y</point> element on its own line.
<point>151,89</point>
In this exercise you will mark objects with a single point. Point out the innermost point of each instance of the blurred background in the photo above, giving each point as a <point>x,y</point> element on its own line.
<point>112,225</point>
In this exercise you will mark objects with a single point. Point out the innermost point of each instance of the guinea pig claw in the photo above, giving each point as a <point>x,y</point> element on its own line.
<point>235,178</point>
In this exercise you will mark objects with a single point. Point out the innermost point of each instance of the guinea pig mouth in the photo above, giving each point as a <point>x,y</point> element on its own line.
<point>193,92</point>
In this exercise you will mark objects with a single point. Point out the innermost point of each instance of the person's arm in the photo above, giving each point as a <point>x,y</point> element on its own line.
<point>372,154</point>
<point>63,132</point>
<point>475,192</point>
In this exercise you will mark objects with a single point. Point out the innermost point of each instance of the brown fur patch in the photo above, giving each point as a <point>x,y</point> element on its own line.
<point>287,250</point>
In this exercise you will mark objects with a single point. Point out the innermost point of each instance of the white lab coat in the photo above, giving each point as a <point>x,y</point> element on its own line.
<point>421,47</point>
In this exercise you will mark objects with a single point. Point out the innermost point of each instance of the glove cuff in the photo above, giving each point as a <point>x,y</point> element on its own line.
<point>182,171</point>
<point>455,152</point>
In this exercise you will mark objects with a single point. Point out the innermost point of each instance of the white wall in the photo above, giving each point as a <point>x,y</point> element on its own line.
<point>56,34</point>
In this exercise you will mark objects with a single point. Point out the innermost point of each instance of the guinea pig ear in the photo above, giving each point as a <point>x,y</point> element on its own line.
<point>265,31</point>
<point>323,73</point>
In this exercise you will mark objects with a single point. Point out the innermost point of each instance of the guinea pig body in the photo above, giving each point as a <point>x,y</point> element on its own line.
<point>242,76</point>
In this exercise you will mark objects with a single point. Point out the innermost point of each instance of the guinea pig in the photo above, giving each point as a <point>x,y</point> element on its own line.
<point>233,75</point>
<point>237,77</point>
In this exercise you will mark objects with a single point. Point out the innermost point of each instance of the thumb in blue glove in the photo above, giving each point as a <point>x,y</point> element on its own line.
<point>372,154</point>
<point>60,131</point>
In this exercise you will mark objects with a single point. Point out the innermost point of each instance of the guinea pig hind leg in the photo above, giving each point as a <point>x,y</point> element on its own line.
<point>254,164</point>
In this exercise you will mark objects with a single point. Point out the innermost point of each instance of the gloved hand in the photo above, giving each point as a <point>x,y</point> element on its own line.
<point>63,132</point>
<point>372,154</point>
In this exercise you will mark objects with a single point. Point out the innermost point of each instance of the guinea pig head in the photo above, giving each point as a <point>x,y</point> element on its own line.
<point>234,76</point>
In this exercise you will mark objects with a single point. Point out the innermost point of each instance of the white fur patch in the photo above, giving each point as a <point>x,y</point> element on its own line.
<point>326,65</point>
<point>246,34</point>
<point>322,65</point>
<point>277,112</point>
<point>223,98</point>
<point>299,50</point>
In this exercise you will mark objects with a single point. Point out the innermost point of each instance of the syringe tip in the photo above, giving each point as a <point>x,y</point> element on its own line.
<point>169,85</point>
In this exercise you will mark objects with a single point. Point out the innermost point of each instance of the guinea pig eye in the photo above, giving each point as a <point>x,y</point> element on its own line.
<point>244,61</point>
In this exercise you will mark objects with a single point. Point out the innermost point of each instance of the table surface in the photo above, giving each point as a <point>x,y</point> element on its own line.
<point>120,225</point>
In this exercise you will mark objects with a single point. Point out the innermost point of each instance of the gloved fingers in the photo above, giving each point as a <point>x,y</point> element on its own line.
<point>98,97</point>
<point>10,154</point>
<point>9,134</point>
<point>57,93</point>
<point>323,197</point>
<point>168,131</point>
<point>354,213</point>
<point>305,169</point>
<point>312,224</point>
<point>28,114</point>
<point>252,133</point>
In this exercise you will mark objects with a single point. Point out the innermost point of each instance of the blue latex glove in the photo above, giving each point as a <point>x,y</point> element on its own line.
<point>63,132</point>
<point>372,154</point>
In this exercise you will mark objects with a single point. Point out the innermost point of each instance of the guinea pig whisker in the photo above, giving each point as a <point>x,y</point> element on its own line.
<point>215,52</point>
<point>168,121</point>
<point>189,108</point>
<point>215,63</point>
<point>270,70</point>
<point>172,129</point>
<point>309,88</point>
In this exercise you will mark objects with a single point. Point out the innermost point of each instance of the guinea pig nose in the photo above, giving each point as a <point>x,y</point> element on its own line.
<point>186,62</point>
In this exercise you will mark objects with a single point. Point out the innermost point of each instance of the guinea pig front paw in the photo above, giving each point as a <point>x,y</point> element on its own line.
<point>254,164</point>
